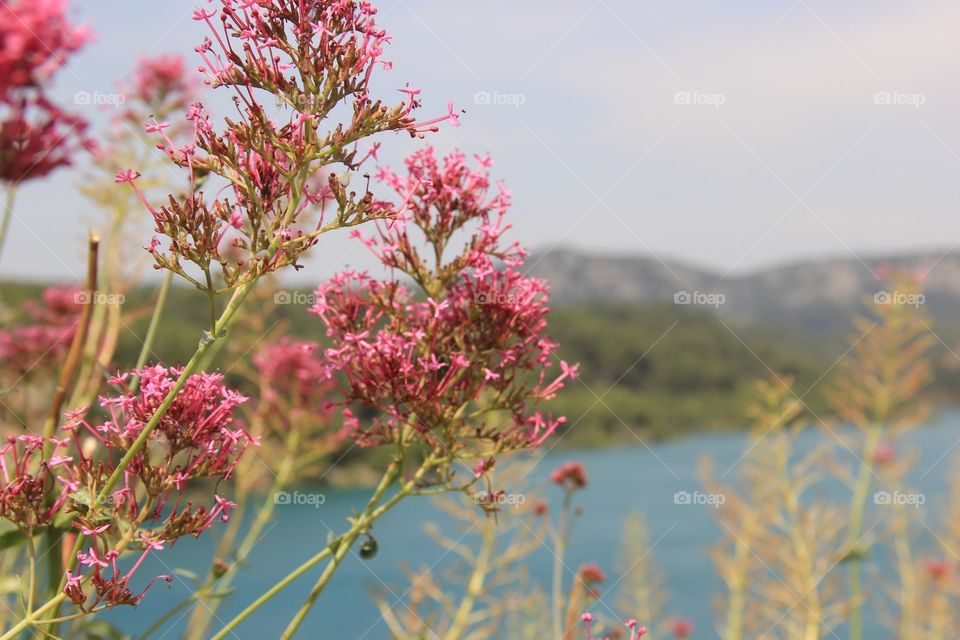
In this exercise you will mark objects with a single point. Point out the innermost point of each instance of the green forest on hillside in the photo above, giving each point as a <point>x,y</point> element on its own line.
<point>647,371</point>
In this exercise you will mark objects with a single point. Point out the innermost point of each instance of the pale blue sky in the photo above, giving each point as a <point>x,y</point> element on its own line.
<point>796,161</point>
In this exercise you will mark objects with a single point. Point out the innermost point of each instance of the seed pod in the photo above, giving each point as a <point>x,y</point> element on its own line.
<point>369,548</point>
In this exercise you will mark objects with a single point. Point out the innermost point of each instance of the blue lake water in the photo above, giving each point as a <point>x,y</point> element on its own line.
<point>622,481</point>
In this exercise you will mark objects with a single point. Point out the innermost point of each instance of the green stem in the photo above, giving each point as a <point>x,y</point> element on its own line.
<point>152,327</point>
<point>211,355</point>
<point>7,214</point>
<point>211,297</point>
<point>271,592</point>
<point>53,550</point>
<point>32,588</point>
<point>346,542</point>
<point>560,544</point>
<point>462,617</point>
<point>32,617</point>
<point>359,525</point>
<point>857,507</point>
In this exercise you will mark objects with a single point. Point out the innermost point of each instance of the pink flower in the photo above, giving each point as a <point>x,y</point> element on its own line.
<point>201,15</point>
<point>126,175</point>
<point>157,126</point>
<point>37,137</point>
<point>591,574</point>
<point>636,632</point>
<point>223,508</point>
<point>91,559</point>
<point>570,475</point>
<point>73,581</point>
<point>682,629</point>
<point>198,427</point>
<point>938,569</point>
<point>587,619</point>
<point>152,543</point>
<point>885,453</point>
<point>88,531</point>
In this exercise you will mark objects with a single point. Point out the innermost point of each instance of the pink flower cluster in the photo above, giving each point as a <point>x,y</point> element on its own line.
<point>196,438</point>
<point>336,43</point>
<point>469,360</point>
<point>570,476</point>
<point>28,481</point>
<point>112,591</point>
<point>160,85</point>
<point>35,41</point>
<point>312,56</point>
<point>292,368</point>
<point>159,79</point>
<point>36,136</point>
<point>45,341</point>
<point>295,393</point>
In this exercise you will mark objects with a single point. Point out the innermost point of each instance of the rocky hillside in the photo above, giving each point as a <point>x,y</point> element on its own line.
<point>814,297</point>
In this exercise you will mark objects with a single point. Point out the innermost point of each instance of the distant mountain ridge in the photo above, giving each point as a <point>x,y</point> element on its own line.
<point>816,296</point>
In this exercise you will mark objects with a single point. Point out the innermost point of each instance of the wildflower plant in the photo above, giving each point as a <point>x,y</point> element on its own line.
<point>314,58</point>
<point>449,376</point>
<point>167,427</point>
<point>793,563</point>
<point>449,381</point>
<point>463,364</point>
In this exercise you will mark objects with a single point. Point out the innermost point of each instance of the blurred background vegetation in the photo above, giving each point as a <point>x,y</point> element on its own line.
<point>655,370</point>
